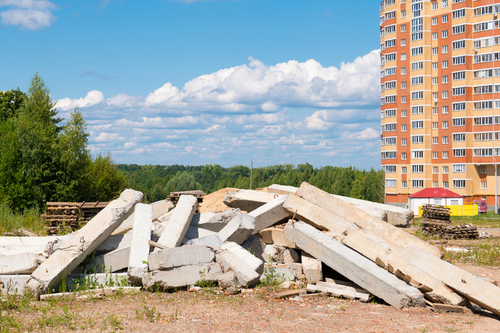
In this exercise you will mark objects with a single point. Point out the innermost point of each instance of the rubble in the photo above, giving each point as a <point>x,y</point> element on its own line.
<point>289,236</point>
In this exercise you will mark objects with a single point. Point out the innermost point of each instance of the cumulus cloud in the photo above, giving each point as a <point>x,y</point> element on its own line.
<point>28,14</point>
<point>289,113</point>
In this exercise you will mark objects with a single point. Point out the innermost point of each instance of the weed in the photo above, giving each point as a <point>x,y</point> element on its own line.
<point>148,313</point>
<point>271,277</point>
<point>423,330</point>
<point>206,284</point>
<point>114,321</point>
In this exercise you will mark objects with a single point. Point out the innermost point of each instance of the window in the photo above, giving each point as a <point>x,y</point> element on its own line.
<point>417,50</point>
<point>417,168</point>
<point>435,125</point>
<point>417,80</point>
<point>444,3</point>
<point>458,137</point>
<point>445,140</point>
<point>458,152</point>
<point>390,43</point>
<point>484,185</point>
<point>458,45</point>
<point>417,95</point>
<point>403,42</point>
<point>484,136</point>
<point>444,18</point>
<point>403,156</point>
<point>403,71</point>
<point>458,122</point>
<point>444,109</point>
<point>484,169</point>
<point>444,49</point>
<point>434,21</point>
<point>478,121</point>
<point>390,168</point>
<point>403,28</point>
<point>445,94</point>
<point>390,127</point>
<point>403,127</point>
<point>390,183</point>
<point>403,170</point>
<point>435,140</point>
<point>404,184</point>
<point>390,85</point>
<point>445,124</point>
<point>434,36</point>
<point>458,106</point>
<point>480,74</point>
<point>403,56</point>
<point>458,29</point>
<point>460,60</point>
<point>390,99</point>
<point>435,110</point>
<point>415,66</point>
<point>417,183</point>
<point>390,141</point>
<point>444,34</point>
<point>390,113</point>
<point>482,152</point>
<point>458,183</point>
<point>434,65</point>
<point>390,71</point>
<point>434,6</point>
<point>482,26</point>
<point>458,167</point>
<point>390,15</point>
<point>435,155</point>
<point>403,113</point>
<point>403,99</point>
<point>390,29</point>
<point>445,169</point>
<point>390,155</point>
<point>435,96</point>
<point>435,169</point>
<point>417,109</point>
<point>435,184</point>
<point>445,64</point>
<point>403,13</point>
<point>403,142</point>
<point>483,10</point>
<point>403,85</point>
<point>480,58</point>
<point>485,105</point>
<point>458,76</point>
<point>445,184</point>
<point>417,139</point>
<point>458,91</point>
<point>434,51</point>
<point>417,124</point>
<point>418,154</point>
<point>458,13</point>
<point>434,81</point>
<point>445,155</point>
<point>390,57</point>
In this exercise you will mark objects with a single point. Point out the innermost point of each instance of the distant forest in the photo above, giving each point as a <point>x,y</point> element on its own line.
<point>157,181</point>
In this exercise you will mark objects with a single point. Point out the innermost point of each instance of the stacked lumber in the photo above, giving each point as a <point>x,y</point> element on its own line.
<point>73,215</point>
<point>436,221</point>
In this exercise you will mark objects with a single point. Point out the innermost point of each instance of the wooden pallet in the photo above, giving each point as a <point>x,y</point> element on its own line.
<point>73,215</point>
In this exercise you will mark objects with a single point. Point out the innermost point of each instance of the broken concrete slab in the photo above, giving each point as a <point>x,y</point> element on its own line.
<point>99,280</point>
<point>251,260</point>
<point>114,242</point>
<point>139,247</point>
<point>160,208</point>
<point>347,213</point>
<point>239,228</point>
<point>281,189</point>
<point>354,266</point>
<point>248,200</point>
<point>13,284</point>
<point>180,256</point>
<point>205,220</point>
<point>20,263</point>
<point>255,246</point>
<point>113,261</point>
<point>195,232</point>
<point>364,243</point>
<point>280,254</point>
<point>337,291</point>
<point>212,241</point>
<point>183,276</point>
<point>179,221</point>
<point>397,216</point>
<point>275,236</point>
<point>269,214</point>
<point>228,282</point>
<point>14,245</point>
<point>229,261</point>
<point>476,289</point>
<point>311,268</point>
<point>82,243</point>
<point>91,293</point>
<point>279,272</point>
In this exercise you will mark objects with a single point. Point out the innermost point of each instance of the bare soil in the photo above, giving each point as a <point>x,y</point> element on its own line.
<point>213,202</point>
<point>205,311</point>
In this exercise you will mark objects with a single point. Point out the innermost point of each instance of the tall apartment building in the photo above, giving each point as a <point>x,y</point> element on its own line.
<point>440,104</point>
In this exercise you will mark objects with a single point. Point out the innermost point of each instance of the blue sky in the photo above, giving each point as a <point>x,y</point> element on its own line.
<point>206,82</point>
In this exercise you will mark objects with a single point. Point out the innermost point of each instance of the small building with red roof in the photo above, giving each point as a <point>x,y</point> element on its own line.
<point>433,196</point>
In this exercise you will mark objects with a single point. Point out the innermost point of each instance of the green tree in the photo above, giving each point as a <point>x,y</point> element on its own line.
<point>10,103</point>
<point>106,181</point>
<point>183,181</point>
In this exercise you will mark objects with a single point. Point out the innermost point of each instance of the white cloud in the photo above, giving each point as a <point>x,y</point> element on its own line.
<point>366,134</point>
<point>106,137</point>
<point>123,101</point>
<point>28,14</point>
<point>93,97</point>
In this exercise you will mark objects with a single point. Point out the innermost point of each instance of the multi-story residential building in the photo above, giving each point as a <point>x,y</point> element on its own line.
<point>440,100</point>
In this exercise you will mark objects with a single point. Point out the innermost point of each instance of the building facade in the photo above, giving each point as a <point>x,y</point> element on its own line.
<point>440,97</point>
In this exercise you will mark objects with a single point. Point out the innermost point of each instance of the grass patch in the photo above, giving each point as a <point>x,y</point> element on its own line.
<point>481,253</point>
<point>29,218</point>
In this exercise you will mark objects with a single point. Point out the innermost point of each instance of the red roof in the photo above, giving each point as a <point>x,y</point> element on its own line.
<point>435,193</point>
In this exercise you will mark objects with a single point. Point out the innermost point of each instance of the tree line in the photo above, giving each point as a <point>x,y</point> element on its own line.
<point>157,181</point>
<point>42,160</point>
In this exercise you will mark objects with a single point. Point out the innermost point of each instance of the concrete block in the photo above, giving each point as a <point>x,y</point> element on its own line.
<point>160,208</point>
<point>230,261</point>
<point>183,276</point>
<point>238,229</point>
<point>212,241</point>
<point>15,245</point>
<point>229,282</point>
<point>139,247</point>
<point>354,266</point>
<point>20,263</point>
<point>248,200</point>
<point>311,267</point>
<point>180,256</point>
<point>269,214</point>
<point>476,289</point>
<point>280,255</point>
<point>281,271</point>
<point>82,243</point>
<point>13,284</point>
<point>255,263</point>
<point>351,214</point>
<point>114,242</point>
<point>339,291</point>
<point>282,189</point>
<point>100,280</point>
<point>195,232</point>
<point>179,221</point>
<point>255,246</point>
<point>113,261</point>
<point>206,221</point>
<point>276,236</point>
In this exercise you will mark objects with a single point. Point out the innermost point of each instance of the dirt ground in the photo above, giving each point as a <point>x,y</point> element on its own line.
<point>205,311</point>
<point>213,202</point>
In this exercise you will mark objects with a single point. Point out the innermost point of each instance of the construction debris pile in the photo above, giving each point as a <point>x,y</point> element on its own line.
<point>74,215</point>
<point>291,234</point>
<point>436,221</point>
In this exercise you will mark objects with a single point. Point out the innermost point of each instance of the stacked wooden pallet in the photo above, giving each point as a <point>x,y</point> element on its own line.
<point>198,194</point>
<point>436,221</point>
<point>70,215</point>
